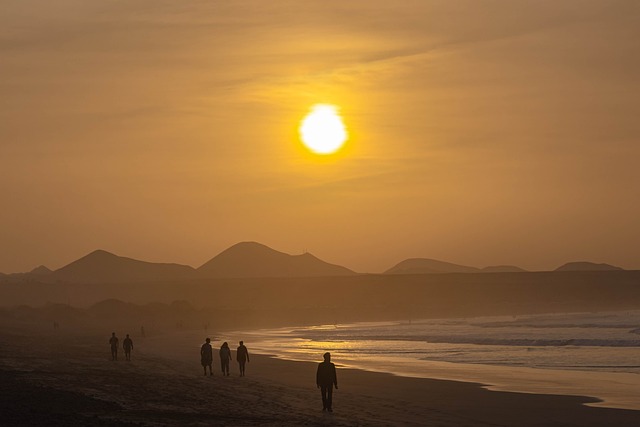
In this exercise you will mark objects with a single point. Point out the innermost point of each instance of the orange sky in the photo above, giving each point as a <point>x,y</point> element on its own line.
<point>482,132</point>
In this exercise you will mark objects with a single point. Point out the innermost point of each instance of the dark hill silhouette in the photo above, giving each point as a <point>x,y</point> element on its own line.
<point>38,274</point>
<point>503,269</point>
<point>428,266</point>
<point>432,266</point>
<point>587,266</point>
<point>251,259</point>
<point>41,270</point>
<point>104,267</point>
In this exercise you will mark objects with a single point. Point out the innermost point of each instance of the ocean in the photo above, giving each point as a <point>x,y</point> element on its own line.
<point>591,354</point>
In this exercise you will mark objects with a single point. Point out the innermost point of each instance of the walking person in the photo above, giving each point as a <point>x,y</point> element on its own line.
<point>206,356</point>
<point>127,344</point>
<point>113,341</point>
<point>242,356</point>
<point>326,379</point>
<point>225,357</point>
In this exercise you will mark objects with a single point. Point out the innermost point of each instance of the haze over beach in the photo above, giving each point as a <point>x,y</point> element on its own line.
<point>443,195</point>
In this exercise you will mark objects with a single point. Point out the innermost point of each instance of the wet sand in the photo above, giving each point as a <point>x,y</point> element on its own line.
<point>70,380</point>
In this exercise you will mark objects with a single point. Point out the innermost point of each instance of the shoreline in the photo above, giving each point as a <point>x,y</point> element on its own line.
<point>164,385</point>
<point>594,385</point>
<point>618,390</point>
<point>535,381</point>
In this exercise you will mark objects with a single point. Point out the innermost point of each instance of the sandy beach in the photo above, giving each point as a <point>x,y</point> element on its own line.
<point>63,380</point>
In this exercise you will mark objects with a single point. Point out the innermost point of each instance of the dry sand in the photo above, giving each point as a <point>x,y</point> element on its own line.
<point>59,379</point>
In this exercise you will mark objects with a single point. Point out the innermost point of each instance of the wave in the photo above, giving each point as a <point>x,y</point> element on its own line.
<point>558,325</point>
<point>512,342</point>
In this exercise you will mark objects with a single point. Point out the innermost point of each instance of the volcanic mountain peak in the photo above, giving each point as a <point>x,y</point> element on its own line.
<point>252,259</point>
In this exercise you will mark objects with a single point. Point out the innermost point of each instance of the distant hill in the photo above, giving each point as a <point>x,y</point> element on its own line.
<point>503,269</point>
<point>37,274</point>
<point>251,259</point>
<point>587,266</point>
<point>41,270</point>
<point>104,267</point>
<point>426,266</point>
<point>432,266</point>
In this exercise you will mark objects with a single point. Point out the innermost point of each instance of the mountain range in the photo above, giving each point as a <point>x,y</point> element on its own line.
<point>431,266</point>
<point>245,260</point>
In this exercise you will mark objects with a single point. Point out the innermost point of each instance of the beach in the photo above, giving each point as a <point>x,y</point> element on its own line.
<point>63,379</point>
<point>591,354</point>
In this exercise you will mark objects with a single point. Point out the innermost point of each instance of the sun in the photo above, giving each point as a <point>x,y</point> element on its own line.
<point>322,130</point>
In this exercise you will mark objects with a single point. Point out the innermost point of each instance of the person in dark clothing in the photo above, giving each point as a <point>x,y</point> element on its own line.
<point>127,344</point>
<point>242,356</point>
<point>113,341</point>
<point>225,357</point>
<point>326,379</point>
<point>206,356</point>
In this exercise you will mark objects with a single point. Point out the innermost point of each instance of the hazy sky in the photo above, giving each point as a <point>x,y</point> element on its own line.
<point>482,132</point>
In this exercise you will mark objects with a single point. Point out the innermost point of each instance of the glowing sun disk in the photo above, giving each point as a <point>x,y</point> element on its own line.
<point>322,130</point>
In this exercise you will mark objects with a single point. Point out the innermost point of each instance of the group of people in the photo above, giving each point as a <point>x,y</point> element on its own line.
<point>206,357</point>
<point>326,378</point>
<point>127,345</point>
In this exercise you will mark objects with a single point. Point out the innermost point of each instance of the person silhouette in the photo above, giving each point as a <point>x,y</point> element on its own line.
<point>242,356</point>
<point>127,344</point>
<point>225,356</point>
<point>113,341</point>
<point>326,379</point>
<point>206,356</point>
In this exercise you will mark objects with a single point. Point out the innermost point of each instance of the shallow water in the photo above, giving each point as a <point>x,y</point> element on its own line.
<point>592,354</point>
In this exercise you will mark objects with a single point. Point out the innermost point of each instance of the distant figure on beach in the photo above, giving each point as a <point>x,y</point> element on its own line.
<point>206,356</point>
<point>142,331</point>
<point>225,357</point>
<point>127,344</point>
<point>114,346</point>
<point>325,380</point>
<point>242,356</point>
